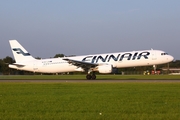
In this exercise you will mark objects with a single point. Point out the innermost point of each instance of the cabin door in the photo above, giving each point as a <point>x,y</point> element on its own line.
<point>154,55</point>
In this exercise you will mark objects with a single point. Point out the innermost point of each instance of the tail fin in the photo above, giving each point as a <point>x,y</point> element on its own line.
<point>20,54</point>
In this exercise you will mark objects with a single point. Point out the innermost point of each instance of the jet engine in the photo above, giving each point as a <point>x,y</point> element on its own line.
<point>105,68</point>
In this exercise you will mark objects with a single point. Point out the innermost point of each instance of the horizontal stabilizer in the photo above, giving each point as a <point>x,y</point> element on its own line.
<point>18,64</point>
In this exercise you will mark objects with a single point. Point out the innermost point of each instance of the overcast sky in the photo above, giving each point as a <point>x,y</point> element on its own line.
<point>79,27</point>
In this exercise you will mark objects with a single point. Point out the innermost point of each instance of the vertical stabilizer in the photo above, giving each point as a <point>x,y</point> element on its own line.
<point>20,54</point>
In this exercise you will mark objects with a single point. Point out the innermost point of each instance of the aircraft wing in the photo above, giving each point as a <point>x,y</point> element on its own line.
<point>81,64</point>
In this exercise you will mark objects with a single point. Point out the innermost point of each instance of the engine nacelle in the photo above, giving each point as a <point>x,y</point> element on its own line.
<point>105,69</point>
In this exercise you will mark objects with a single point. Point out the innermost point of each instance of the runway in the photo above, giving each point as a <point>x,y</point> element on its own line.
<point>89,81</point>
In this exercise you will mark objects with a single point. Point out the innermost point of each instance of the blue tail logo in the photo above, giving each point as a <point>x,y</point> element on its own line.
<point>19,51</point>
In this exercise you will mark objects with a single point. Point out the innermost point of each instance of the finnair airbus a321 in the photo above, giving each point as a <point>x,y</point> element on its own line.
<point>103,63</point>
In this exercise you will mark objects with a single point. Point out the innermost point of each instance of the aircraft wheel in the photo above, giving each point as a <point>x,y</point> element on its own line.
<point>88,76</point>
<point>93,76</point>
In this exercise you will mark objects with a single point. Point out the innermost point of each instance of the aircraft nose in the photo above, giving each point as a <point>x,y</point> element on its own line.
<point>170,58</point>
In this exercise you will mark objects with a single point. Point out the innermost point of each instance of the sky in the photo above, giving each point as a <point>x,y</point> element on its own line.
<point>79,27</point>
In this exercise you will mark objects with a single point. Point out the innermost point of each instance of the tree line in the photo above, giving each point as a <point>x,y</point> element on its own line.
<point>5,70</point>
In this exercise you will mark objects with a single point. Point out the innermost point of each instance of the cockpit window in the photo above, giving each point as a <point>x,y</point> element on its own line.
<point>164,53</point>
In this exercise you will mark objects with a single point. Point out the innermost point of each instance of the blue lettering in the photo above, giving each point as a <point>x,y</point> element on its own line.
<point>113,57</point>
<point>85,59</point>
<point>143,54</point>
<point>126,55</point>
<point>102,59</point>
<point>93,60</point>
<point>108,58</point>
<point>134,56</point>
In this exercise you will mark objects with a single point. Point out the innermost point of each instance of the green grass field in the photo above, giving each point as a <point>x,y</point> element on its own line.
<point>82,77</point>
<point>90,101</point>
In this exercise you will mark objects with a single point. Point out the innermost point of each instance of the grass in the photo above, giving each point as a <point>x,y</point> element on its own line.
<point>99,77</point>
<point>87,101</point>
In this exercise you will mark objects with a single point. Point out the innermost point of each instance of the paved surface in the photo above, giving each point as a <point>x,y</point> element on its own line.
<point>92,81</point>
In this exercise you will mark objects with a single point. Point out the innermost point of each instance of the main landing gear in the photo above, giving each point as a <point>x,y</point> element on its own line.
<point>91,76</point>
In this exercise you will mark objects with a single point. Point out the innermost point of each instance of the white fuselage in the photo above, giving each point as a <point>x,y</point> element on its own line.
<point>117,60</point>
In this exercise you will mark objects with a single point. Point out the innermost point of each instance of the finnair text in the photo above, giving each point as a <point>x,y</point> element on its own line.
<point>117,57</point>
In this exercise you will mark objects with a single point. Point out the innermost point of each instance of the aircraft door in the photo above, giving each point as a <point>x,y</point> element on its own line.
<point>154,55</point>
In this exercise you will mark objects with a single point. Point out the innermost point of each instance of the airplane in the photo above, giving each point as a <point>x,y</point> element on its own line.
<point>102,63</point>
